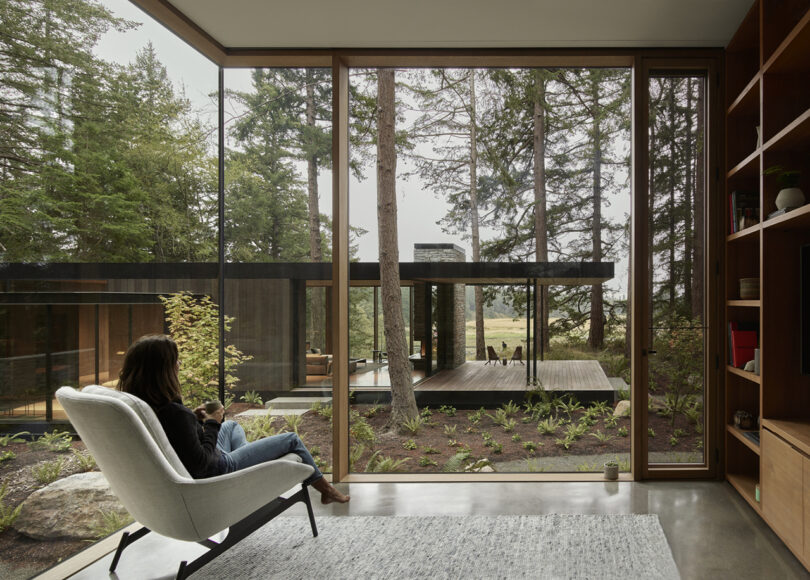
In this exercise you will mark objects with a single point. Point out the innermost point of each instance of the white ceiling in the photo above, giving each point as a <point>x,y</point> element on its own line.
<point>466,23</point>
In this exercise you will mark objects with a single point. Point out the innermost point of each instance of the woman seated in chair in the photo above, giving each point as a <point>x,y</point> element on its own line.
<point>206,445</point>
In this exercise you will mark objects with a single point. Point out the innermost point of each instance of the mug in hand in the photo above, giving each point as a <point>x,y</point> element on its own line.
<point>212,407</point>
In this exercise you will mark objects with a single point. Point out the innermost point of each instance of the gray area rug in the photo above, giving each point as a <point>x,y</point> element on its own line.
<point>548,546</point>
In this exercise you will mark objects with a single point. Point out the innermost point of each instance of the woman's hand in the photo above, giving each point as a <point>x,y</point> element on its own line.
<point>199,412</point>
<point>218,415</point>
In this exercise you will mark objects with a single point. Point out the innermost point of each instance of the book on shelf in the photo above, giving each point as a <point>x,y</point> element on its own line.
<point>743,345</point>
<point>746,327</point>
<point>743,208</point>
<point>752,436</point>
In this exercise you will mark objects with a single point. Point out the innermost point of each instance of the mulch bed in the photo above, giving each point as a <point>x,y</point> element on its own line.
<point>316,432</point>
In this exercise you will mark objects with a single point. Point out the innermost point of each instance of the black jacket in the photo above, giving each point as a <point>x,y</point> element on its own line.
<point>194,442</point>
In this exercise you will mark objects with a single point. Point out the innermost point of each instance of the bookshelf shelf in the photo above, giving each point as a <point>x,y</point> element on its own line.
<point>746,233</point>
<point>747,166</point>
<point>744,374</point>
<point>798,218</point>
<point>739,434</point>
<point>744,303</point>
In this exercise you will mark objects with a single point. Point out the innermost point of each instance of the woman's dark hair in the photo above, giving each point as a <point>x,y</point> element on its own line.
<point>150,370</point>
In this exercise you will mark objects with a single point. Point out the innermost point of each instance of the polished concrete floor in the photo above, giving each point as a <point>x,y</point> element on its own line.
<point>712,532</point>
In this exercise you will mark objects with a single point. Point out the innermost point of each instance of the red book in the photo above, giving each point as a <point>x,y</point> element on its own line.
<point>743,343</point>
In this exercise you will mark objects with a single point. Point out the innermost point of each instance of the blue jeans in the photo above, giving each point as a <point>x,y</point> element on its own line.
<point>239,454</point>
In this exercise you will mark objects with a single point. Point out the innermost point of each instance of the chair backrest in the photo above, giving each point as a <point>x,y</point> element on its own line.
<point>518,354</point>
<point>491,354</point>
<point>132,451</point>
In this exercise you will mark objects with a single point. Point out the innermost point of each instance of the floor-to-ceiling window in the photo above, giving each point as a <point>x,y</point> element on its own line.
<point>483,166</point>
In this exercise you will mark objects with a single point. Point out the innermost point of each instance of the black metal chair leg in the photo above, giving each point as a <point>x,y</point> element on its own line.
<point>126,540</point>
<point>311,514</point>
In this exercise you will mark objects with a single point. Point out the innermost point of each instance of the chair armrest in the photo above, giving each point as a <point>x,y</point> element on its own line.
<point>218,502</point>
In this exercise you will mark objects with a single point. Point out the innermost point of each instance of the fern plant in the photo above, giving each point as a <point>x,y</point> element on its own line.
<point>7,456</point>
<point>84,460</point>
<point>261,426</point>
<point>292,422</point>
<point>379,463</point>
<point>457,462</point>
<point>7,514</point>
<point>111,522</point>
<point>6,440</point>
<point>56,441</point>
<point>252,398</point>
<point>48,472</point>
<point>548,426</point>
<point>414,425</point>
<point>603,438</point>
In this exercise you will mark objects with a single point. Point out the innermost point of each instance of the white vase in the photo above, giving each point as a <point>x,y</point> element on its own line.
<point>790,197</point>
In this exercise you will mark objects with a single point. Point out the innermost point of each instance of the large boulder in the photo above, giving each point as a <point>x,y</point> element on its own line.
<point>70,508</point>
<point>622,409</point>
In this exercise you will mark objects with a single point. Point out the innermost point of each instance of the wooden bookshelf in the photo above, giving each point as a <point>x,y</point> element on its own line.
<point>767,86</point>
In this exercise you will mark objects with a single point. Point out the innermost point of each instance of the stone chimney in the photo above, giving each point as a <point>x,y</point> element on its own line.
<point>450,306</point>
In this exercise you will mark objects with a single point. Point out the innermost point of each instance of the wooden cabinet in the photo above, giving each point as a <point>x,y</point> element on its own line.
<point>783,489</point>
<point>768,124</point>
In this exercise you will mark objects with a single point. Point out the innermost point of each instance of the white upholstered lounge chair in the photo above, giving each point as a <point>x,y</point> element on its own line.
<point>129,445</point>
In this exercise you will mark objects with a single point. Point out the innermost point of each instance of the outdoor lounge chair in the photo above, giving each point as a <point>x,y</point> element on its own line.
<point>129,445</point>
<point>492,356</point>
<point>517,355</point>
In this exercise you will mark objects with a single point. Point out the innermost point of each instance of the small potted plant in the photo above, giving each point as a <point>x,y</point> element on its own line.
<point>612,470</point>
<point>789,196</point>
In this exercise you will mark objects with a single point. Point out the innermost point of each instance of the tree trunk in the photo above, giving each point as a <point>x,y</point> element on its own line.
<point>480,345</point>
<point>698,201</point>
<point>403,402</point>
<point>315,255</point>
<point>596,333</point>
<point>671,209</point>
<point>540,199</point>
<point>688,203</point>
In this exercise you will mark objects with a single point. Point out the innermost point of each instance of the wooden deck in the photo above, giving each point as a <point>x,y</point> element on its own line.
<point>555,375</point>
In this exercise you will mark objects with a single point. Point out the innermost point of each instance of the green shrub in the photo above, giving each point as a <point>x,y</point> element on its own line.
<point>448,410</point>
<point>7,456</point>
<point>623,432</point>
<point>194,325</point>
<point>409,444</point>
<point>430,450</point>
<point>426,461</point>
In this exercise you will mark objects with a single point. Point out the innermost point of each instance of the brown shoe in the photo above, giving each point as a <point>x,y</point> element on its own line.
<point>328,492</point>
